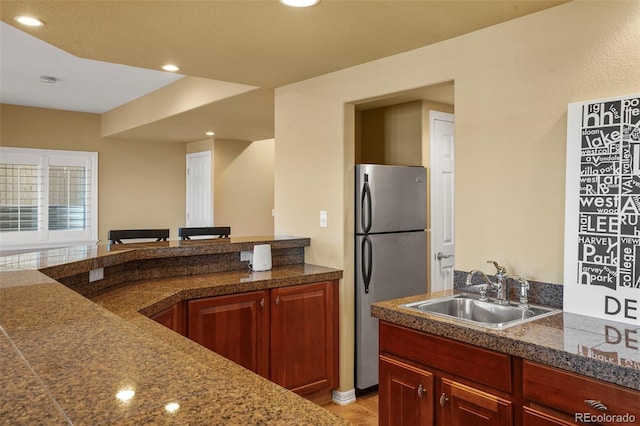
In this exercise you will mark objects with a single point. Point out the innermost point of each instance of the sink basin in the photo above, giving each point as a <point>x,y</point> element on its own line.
<point>468,308</point>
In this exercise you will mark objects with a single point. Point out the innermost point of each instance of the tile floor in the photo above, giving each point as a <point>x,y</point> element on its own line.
<point>362,412</point>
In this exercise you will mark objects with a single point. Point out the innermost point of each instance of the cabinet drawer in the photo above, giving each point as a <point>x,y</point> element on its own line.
<point>480,365</point>
<point>533,417</point>
<point>571,393</point>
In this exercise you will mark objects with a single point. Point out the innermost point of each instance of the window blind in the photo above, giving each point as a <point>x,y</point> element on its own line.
<point>47,197</point>
<point>19,188</point>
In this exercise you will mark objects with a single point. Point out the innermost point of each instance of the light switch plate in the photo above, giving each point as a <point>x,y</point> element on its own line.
<point>323,218</point>
<point>246,256</point>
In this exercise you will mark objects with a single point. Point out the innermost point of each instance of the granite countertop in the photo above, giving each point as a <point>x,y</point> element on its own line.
<point>65,358</point>
<point>605,350</point>
<point>148,297</point>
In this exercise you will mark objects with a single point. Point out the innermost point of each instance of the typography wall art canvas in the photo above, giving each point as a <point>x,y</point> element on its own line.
<point>602,212</point>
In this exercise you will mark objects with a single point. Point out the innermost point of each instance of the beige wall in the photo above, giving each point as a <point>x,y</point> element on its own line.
<point>391,135</point>
<point>512,85</point>
<point>243,186</point>
<point>140,184</point>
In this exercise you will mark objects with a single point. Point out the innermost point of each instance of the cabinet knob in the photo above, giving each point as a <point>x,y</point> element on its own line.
<point>278,300</point>
<point>595,404</point>
<point>421,391</point>
<point>443,400</point>
<point>262,303</point>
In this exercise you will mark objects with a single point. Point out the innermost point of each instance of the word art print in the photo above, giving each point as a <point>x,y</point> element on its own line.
<point>602,215</point>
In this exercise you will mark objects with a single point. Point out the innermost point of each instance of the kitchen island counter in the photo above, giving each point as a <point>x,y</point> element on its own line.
<point>69,360</point>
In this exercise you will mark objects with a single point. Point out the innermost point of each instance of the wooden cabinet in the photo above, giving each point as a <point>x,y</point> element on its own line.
<point>472,386</point>
<point>235,326</point>
<point>173,318</point>
<point>288,335</point>
<point>408,394</point>
<point>589,401</point>
<point>304,328</point>
<point>466,385</point>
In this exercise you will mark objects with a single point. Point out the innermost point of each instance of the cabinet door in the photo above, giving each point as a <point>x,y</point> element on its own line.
<point>466,406</point>
<point>303,337</point>
<point>405,394</point>
<point>171,318</point>
<point>234,326</point>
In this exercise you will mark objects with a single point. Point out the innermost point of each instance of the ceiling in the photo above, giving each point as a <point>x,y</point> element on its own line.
<point>255,42</point>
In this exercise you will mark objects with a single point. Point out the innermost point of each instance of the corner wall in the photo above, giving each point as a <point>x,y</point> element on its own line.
<point>513,82</point>
<point>243,186</point>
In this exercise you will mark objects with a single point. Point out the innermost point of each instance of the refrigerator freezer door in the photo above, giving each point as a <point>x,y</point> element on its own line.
<point>390,198</point>
<point>397,267</point>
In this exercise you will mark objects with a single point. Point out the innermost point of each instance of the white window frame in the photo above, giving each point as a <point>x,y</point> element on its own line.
<point>43,237</point>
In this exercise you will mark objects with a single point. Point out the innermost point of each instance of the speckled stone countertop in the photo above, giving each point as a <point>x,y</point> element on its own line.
<point>148,297</point>
<point>605,350</point>
<point>65,358</point>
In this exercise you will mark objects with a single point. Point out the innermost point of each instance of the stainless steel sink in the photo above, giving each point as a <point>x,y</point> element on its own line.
<point>466,307</point>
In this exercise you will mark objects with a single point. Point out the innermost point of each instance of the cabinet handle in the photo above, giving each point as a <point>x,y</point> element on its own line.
<point>278,300</point>
<point>262,303</point>
<point>421,391</point>
<point>443,400</point>
<point>596,404</point>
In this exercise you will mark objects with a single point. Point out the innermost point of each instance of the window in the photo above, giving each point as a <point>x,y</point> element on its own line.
<point>48,198</point>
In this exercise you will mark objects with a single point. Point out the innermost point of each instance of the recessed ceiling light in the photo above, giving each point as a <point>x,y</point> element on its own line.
<point>170,68</point>
<point>300,3</point>
<point>210,133</point>
<point>29,21</point>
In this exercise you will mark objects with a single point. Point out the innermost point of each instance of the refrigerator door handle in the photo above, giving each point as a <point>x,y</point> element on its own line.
<point>367,253</point>
<point>365,200</point>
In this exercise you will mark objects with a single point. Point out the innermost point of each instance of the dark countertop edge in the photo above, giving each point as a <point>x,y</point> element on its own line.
<point>478,336</point>
<point>231,288</point>
<point>123,253</point>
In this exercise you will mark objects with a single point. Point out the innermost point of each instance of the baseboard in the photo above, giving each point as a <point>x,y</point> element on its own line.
<point>344,398</point>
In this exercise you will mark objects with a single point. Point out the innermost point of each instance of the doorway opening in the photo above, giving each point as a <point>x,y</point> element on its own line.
<point>416,128</point>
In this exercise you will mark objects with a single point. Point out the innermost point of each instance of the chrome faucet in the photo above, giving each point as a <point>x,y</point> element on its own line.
<point>500,285</point>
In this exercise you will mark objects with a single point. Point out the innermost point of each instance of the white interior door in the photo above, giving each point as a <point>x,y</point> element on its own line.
<point>199,192</point>
<point>442,200</point>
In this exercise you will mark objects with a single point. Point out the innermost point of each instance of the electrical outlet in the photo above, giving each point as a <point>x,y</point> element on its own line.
<point>96,274</point>
<point>323,218</point>
<point>246,256</point>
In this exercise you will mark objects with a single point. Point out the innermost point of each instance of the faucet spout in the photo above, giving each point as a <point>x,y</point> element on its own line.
<point>483,288</point>
<point>482,275</point>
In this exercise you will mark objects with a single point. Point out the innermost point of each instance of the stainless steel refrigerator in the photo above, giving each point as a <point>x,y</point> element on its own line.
<point>390,249</point>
